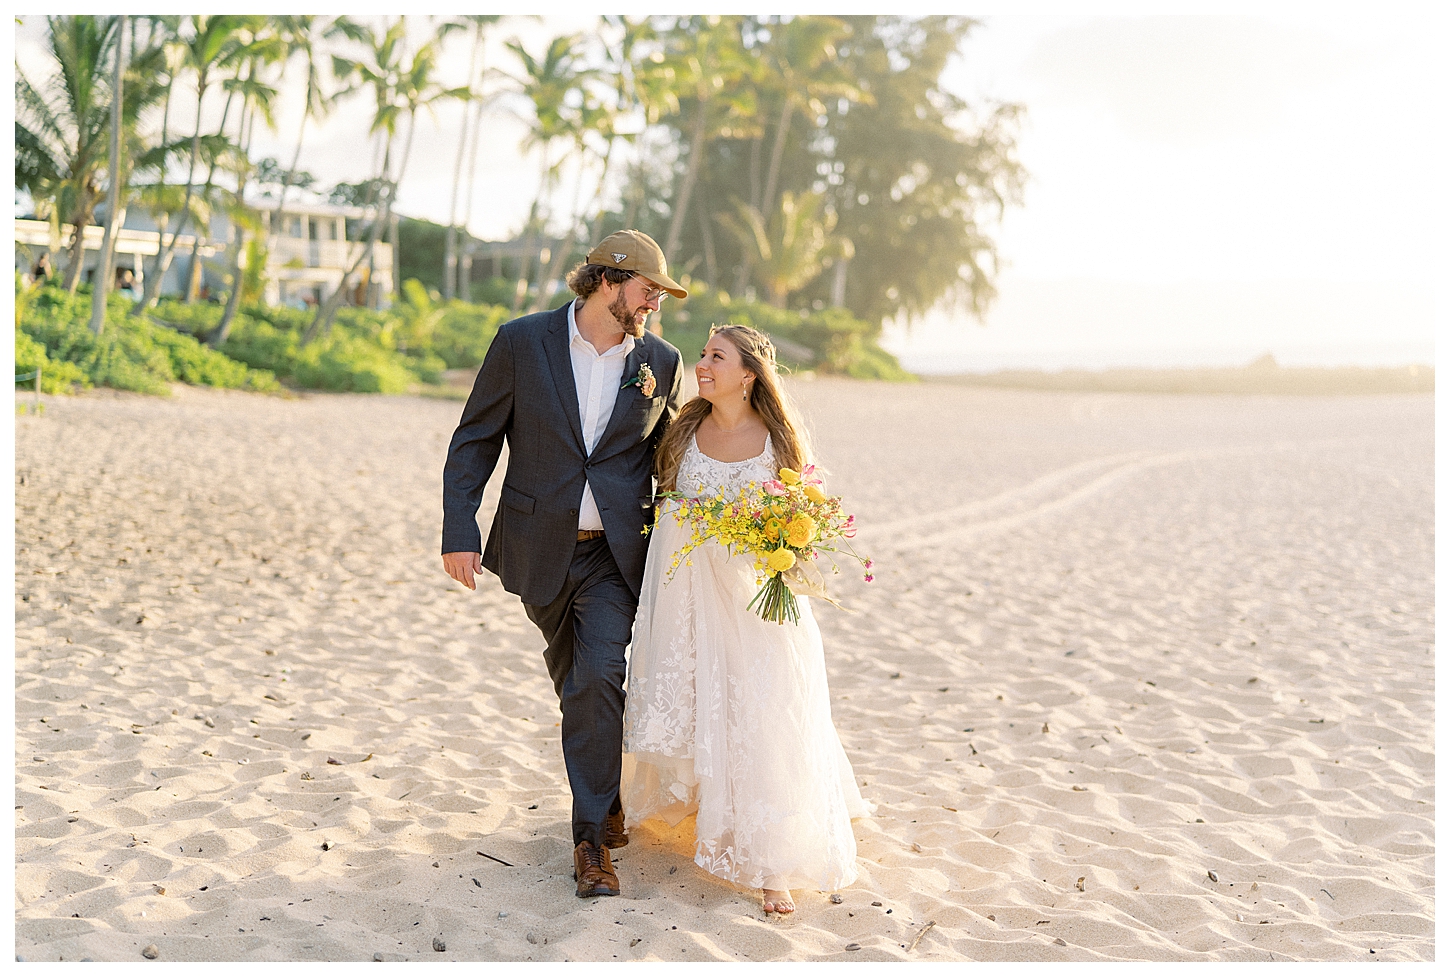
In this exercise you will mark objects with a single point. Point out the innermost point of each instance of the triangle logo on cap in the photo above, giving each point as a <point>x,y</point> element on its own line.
<point>617,256</point>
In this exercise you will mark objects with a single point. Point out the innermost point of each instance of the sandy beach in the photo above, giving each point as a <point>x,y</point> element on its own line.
<point>1141,677</point>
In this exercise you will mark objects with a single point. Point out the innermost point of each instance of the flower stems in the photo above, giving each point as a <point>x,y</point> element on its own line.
<point>776,602</point>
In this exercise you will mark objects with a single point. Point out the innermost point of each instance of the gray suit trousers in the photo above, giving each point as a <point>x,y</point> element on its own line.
<point>588,627</point>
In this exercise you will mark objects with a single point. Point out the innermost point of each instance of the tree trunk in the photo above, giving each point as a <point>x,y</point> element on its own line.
<point>596,205</point>
<point>838,283</point>
<point>276,229</point>
<point>450,243</point>
<point>747,260</point>
<point>115,215</point>
<point>77,252</point>
<point>193,267</point>
<point>396,273</point>
<point>777,153</point>
<point>193,271</point>
<point>755,144</point>
<point>697,154</point>
<point>323,320</point>
<point>709,242</point>
<point>521,287</point>
<point>465,274</point>
<point>564,249</point>
<point>234,296</point>
<point>163,256</point>
<point>234,255</point>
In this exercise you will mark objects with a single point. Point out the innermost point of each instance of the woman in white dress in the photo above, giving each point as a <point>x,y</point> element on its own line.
<point>728,716</point>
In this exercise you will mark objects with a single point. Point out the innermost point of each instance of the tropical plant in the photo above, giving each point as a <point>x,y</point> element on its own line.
<point>709,69</point>
<point>852,109</point>
<point>61,127</point>
<point>258,97</point>
<point>300,35</point>
<point>400,86</point>
<point>115,207</point>
<point>553,86</point>
<point>477,26</point>
<point>788,252</point>
<point>209,44</point>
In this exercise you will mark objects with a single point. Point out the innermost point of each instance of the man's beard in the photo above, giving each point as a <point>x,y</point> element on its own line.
<point>632,322</point>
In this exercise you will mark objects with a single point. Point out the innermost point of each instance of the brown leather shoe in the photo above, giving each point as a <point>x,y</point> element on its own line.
<point>593,873</point>
<point>614,836</point>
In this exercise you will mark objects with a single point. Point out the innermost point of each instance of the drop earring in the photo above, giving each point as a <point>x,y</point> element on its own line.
<point>745,392</point>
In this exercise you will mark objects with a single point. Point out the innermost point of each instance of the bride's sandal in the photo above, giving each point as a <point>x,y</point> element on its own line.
<point>777,901</point>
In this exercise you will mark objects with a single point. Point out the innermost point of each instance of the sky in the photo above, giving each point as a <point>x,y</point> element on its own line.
<point>1203,189</point>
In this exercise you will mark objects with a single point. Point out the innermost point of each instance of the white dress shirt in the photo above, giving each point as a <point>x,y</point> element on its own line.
<point>597,379</point>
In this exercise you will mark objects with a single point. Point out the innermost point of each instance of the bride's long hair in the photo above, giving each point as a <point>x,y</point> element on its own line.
<point>767,397</point>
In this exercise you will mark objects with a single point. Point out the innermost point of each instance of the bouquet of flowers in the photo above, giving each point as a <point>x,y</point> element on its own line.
<point>785,524</point>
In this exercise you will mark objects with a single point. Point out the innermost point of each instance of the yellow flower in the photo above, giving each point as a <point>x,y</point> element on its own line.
<point>773,528</point>
<point>781,560</point>
<point>790,476</point>
<point>800,530</point>
<point>814,493</point>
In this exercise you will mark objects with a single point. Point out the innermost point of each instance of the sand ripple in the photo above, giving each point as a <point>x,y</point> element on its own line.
<point>1140,678</point>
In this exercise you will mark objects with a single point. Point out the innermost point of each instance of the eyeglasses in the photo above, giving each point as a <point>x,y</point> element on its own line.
<point>651,292</point>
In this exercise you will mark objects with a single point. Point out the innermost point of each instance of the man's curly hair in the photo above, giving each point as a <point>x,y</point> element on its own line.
<point>585,279</point>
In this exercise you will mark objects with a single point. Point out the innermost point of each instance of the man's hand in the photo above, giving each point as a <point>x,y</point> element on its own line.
<point>462,567</point>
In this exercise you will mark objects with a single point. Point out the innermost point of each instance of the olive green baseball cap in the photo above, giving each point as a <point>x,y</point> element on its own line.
<point>636,251</point>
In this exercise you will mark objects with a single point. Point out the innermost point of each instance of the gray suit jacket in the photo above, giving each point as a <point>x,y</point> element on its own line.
<point>525,395</point>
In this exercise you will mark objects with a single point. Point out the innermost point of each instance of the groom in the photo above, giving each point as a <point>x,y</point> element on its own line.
<point>582,395</point>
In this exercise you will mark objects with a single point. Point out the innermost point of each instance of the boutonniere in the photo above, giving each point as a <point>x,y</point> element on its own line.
<point>644,380</point>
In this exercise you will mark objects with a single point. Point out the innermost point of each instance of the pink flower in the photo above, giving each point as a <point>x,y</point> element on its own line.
<point>868,564</point>
<point>869,578</point>
<point>775,488</point>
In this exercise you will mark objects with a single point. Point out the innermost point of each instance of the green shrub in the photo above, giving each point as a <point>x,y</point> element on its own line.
<point>197,319</point>
<point>261,345</point>
<point>827,340</point>
<point>350,363</point>
<point>56,376</point>
<point>464,333</point>
<point>132,353</point>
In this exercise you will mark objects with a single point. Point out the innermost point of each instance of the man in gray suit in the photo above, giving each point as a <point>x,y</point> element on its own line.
<point>582,395</point>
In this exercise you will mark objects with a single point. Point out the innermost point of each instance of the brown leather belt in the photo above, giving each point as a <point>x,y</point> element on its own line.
<point>589,534</point>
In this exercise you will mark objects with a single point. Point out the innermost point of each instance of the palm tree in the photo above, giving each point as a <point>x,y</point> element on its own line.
<point>400,87</point>
<point>709,67</point>
<point>258,99</point>
<point>790,248</point>
<point>256,44</point>
<point>634,92</point>
<point>301,34</point>
<point>212,42</point>
<point>101,287</point>
<point>135,89</point>
<point>802,52</point>
<point>61,129</point>
<point>477,25</point>
<point>547,82</point>
<point>159,200</point>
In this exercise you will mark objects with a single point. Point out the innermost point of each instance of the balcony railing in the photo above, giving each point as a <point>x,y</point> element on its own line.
<point>325,254</point>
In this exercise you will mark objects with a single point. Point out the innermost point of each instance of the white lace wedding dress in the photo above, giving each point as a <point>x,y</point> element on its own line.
<point>728,716</point>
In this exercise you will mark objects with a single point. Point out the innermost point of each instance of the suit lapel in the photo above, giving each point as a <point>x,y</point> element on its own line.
<point>625,395</point>
<point>556,352</point>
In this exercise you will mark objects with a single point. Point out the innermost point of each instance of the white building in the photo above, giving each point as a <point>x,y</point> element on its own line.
<point>305,261</point>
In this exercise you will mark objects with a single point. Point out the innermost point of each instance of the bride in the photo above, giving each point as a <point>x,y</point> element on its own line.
<point>728,716</point>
